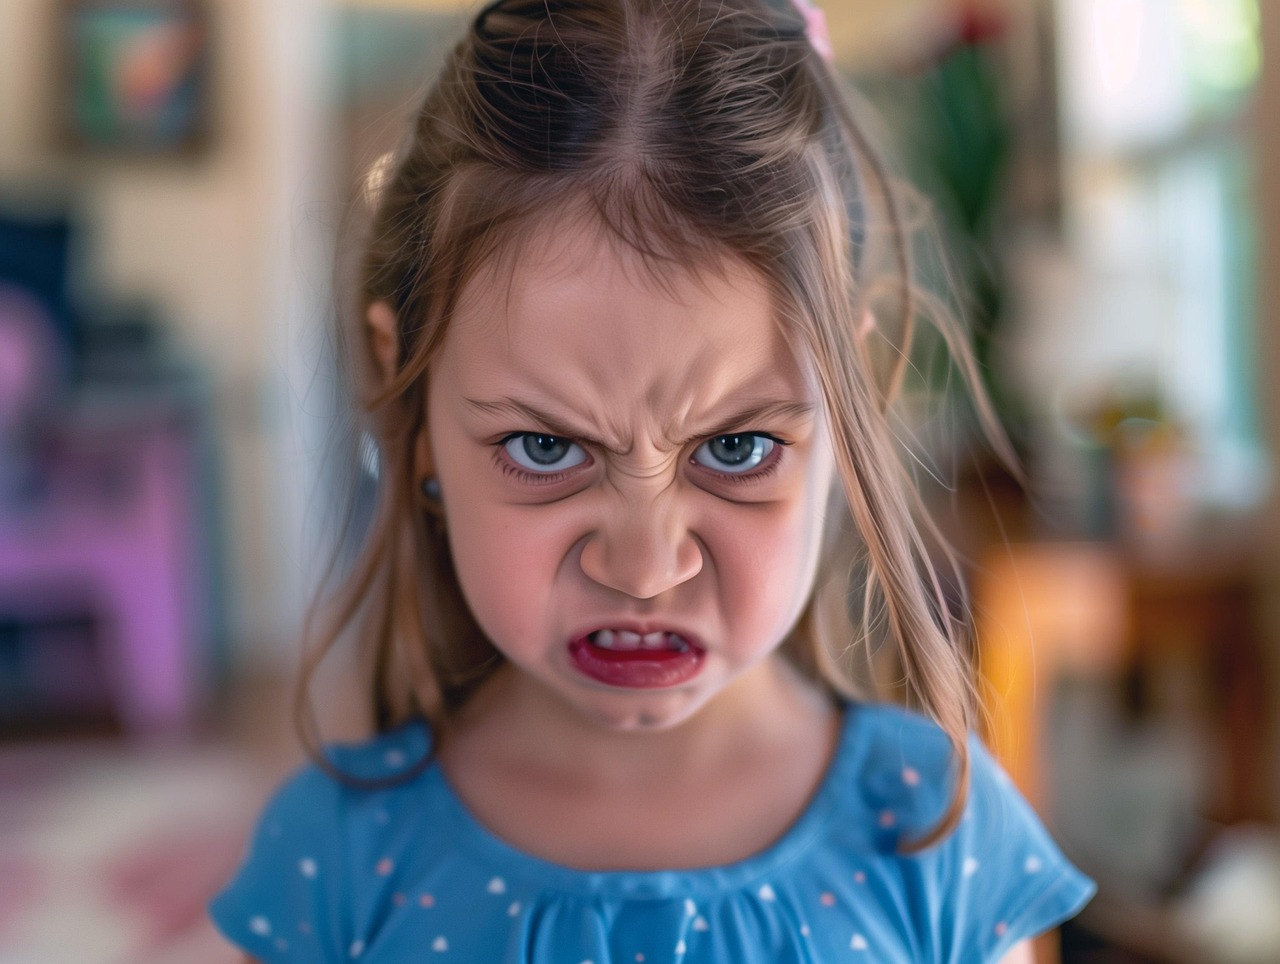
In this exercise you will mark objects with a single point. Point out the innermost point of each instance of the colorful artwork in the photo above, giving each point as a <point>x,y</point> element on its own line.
<point>138,75</point>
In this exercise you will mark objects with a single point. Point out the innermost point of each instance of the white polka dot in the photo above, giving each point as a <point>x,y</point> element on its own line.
<point>859,877</point>
<point>804,930</point>
<point>588,961</point>
<point>260,926</point>
<point>1033,865</point>
<point>640,958</point>
<point>970,866</point>
<point>440,945</point>
<point>911,777</point>
<point>700,924</point>
<point>514,909</point>
<point>887,819</point>
<point>859,943</point>
<point>307,867</point>
<point>357,948</point>
<point>394,758</point>
<point>690,908</point>
<point>766,893</point>
<point>680,947</point>
<point>497,886</point>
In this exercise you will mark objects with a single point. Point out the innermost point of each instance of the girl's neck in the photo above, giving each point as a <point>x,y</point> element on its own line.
<point>512,721</point>
<point>715,789</point>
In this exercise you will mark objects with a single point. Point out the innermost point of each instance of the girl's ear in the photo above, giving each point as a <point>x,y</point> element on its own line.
<point>384,337</point>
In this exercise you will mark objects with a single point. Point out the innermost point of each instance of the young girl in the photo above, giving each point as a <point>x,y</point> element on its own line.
<point>631,407</point>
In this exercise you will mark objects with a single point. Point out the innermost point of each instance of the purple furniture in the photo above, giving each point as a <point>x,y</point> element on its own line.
<point>102,520</point>
<point>114,531</point>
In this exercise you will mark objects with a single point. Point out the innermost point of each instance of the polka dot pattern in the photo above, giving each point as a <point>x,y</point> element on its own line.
<point>459,896</point>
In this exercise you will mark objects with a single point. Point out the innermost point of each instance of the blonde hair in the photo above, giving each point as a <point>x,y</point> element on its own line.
<point>692,130</point>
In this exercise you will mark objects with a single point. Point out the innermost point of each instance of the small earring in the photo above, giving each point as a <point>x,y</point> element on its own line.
<point>430,488</point>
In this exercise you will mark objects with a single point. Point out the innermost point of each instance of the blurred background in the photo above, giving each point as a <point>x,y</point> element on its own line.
<point>175,181</point>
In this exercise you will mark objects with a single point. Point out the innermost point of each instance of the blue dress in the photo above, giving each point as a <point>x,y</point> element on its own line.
<point>407,874</point>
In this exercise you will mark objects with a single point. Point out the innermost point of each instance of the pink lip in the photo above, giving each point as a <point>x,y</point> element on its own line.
<point>636,668</point>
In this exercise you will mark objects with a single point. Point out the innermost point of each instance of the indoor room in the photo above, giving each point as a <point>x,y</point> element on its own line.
<point>1084,195</point>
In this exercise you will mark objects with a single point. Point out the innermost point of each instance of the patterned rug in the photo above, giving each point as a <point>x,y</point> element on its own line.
<point>108,854</point>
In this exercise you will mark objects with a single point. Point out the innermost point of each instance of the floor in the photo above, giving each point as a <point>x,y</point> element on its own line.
<point>110,850</point>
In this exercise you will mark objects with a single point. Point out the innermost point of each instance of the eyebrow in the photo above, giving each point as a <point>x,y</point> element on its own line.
<point>559,425</point>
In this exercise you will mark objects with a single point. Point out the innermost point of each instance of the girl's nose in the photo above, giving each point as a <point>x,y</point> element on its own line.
<point>642,552</point>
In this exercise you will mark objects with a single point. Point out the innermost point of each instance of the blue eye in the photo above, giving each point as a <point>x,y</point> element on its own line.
<point>734,454</point>
<point>543,453</point>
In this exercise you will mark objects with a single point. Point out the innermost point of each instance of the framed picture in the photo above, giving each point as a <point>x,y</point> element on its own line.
<point>136,76</point>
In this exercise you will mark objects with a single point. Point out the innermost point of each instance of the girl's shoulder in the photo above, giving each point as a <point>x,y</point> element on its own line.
<point>898,763</point>
<point>360,777</point>
<point>996,878</point>
<point>325,840</point>
<point>902,768</point>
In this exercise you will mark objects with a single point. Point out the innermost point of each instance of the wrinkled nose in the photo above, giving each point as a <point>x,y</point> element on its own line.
<point>642,551</point>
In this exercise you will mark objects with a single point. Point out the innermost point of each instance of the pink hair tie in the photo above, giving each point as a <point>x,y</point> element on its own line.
<point>816,29</point>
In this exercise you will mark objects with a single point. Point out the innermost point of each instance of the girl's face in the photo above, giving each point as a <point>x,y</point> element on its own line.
<point>634,476</point>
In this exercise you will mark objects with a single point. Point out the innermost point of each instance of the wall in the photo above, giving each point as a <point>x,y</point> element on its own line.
<point>226,248</point>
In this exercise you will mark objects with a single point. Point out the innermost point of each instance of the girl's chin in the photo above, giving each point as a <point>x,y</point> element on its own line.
<point>642,715</point>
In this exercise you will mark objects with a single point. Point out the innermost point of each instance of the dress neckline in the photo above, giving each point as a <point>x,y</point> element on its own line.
<point>691,882</point>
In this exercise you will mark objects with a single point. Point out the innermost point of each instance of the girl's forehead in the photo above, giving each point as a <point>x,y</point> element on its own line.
<point>567,281</point>
<point>554,251</point>
<point>574,315</point>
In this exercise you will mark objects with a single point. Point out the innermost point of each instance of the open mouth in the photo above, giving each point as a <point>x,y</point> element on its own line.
<point>624,641</point>
<point>627,659</point>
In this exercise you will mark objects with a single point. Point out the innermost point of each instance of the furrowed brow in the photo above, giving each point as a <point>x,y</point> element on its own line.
<point>521,411</point>
<point>755,415</point>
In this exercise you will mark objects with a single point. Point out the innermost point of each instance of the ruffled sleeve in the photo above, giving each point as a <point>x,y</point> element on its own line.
<point>1002,877</point>
<point>287,901</point>
<point>999,878</point>
<point>996,880</point>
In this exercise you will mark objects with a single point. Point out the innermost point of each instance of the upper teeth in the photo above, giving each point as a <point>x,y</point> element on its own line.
<point>626,639</point>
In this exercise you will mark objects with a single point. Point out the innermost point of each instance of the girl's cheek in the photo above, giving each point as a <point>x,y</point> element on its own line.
<point>506,564</point>
<point>763,558</point>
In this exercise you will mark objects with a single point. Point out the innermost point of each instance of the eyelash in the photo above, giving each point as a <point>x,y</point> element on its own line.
<point>550,478</point>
